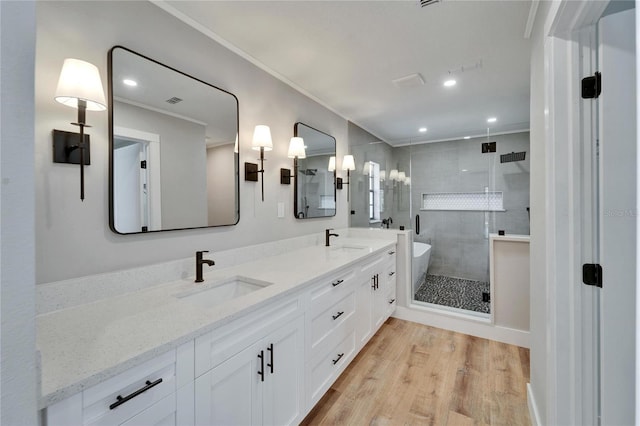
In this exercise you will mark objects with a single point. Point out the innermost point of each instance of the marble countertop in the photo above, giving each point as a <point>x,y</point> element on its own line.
<point>510,237</point>
<point>84,345</point>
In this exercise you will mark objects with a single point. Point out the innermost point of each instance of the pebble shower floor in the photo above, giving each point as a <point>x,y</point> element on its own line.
<point>453,292</point>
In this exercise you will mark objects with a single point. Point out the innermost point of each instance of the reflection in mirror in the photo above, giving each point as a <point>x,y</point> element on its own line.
<point>314,190</point>
<point>174,156</point>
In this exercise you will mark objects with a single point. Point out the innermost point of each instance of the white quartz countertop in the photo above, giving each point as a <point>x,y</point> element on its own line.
<point>510,237</point>
<point>84,345</point>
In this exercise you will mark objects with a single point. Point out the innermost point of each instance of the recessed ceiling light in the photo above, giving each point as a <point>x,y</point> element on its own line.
<point>464,170</point>
<point>422,129</point>
<point>130,82</point>
<point>449,83</point>
<point>467,137</point>
<point>492,120</point>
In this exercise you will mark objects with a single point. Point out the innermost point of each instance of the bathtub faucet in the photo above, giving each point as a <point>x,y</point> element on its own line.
<point>387,222</point>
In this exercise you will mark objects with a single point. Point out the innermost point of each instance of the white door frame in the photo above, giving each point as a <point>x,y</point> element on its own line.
<point>570,396</point>
<point>155,187</point>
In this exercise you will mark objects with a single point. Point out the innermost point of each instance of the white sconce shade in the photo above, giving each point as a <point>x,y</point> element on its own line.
<point>393,175</point>
<point>401,176</point>
<point>332,164</point>
<point>383,175</point>
<point>407,181</point>
<point>366,168</point>
<point>80,80</point>
<point>262,138</point>
<point>296,148</point>
<point>348,163</point>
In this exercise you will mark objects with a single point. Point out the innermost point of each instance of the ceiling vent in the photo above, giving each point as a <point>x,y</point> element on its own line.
<point>411,80</point>
<point>173,100</point>
<point>424,3</point>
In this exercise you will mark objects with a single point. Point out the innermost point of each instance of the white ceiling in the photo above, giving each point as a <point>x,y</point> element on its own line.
<point>345,54</point>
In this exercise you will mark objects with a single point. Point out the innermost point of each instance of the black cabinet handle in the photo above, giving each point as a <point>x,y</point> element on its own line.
<point>122,399</point>
<point>373,286</point>
<point>391,301</point>
<point>392,252</point>
<point>417,224</point>
<point>392,273</point>
<point>270,349</point>
<point>335,361</point>
<point>377,281</point>
<point>337,283</point>
<point>261,372</point>
<point>336,316</point>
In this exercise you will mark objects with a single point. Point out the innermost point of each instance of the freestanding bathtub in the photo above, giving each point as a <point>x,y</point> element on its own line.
<point>420,263</point>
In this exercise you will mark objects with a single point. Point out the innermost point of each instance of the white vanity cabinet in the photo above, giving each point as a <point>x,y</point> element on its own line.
<point>267,365</point>
<point>157,392</point>
<point>256,373</point>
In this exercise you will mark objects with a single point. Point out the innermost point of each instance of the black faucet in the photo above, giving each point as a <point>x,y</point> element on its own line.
<point>387,222</point>
<point>199,262</point>
<point>327,235</point>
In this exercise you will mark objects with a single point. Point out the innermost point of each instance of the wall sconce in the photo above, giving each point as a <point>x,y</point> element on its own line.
<point>296,151</point>
<point>348,164</point>
<point>401,176</point>
<point>393,175</point>
<point>407,181</point>
<point>383,175</point>
<point>261,142</point>
<point>80,87</point>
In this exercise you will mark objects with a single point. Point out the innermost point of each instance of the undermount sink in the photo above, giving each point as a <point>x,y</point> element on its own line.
<point>347,248</point>
<point>222,291</point>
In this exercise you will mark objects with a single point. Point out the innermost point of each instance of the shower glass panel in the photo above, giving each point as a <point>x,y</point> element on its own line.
<point>462,193</point>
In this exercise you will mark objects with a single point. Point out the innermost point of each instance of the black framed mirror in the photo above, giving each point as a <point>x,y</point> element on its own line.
<point>173,148</point>
<point>314,183</point>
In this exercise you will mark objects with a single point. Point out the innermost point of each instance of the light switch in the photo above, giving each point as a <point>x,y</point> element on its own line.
<point>280,209</point>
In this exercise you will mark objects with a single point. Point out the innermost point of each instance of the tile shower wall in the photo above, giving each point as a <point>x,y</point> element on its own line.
<point>459,241</point>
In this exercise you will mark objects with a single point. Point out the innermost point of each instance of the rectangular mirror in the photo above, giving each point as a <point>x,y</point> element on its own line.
<point>314,186</point>
<point>173,148</point>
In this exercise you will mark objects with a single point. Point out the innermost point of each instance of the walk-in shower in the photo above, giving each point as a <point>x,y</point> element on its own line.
<point>452,195</point>
<point>461,192</point>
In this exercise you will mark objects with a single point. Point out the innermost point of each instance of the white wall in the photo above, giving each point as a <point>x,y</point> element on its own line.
<point>221,196</point>
<point>73,238</point>
<point>537,196</point>
<point>17,270</point>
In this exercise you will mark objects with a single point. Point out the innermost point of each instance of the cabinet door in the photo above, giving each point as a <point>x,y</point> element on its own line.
<point>231,393</point>
<point>379,304</point>
<point>283,393</point>
<point>364,309</point>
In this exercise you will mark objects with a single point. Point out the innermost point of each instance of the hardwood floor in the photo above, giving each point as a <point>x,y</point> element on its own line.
<point>412,374</point>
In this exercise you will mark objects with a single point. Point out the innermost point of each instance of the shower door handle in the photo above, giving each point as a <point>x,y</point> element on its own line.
<point>417,224</point>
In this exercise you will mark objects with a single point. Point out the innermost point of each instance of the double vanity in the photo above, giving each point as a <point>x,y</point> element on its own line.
<point>257,342</point>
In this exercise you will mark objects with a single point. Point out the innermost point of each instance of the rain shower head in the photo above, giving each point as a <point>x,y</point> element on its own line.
<point>514,156</point>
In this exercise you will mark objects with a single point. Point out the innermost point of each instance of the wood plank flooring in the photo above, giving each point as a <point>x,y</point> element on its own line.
<point>412,374</point>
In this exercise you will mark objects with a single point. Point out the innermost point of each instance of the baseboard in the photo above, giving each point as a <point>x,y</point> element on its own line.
<point>468,325</point>
<point>533,408</point>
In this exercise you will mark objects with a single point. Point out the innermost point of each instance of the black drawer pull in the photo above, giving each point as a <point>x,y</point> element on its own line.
<point>122,399</point>
<point>335,361</point>
<point>270,365</point>
<point>391,301</point>
<point>392,273</point>
<point>261,372</point>
<point>337,283</point>
<point>392,252</point>
<point>335,317</point>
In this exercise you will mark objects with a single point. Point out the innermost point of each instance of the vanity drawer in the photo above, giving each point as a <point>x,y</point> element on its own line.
<point>127,394</point>
<point>327,367</point>
<point>327,321</point>
<point>327,291</point>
